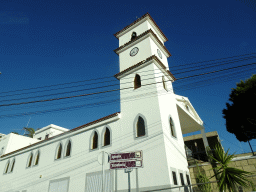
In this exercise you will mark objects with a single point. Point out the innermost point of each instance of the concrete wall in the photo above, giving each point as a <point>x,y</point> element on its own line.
<point>247,163</point>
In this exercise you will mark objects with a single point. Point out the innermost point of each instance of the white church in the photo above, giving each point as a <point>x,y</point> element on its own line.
<point>154,120</point>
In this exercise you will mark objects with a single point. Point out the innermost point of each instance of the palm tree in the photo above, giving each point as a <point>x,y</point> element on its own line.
<point>229,177</point>
<point>29,132</point>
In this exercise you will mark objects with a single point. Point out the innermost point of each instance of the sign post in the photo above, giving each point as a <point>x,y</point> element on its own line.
<point>126,161</point>
<point>128,170</point>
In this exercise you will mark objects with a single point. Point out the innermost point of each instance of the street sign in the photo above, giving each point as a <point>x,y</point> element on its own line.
<point>126,156</point>
<point>125,164</point>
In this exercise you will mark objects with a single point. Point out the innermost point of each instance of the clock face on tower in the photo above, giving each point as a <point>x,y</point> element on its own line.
<point>159,53</point>
<point>134,51</point>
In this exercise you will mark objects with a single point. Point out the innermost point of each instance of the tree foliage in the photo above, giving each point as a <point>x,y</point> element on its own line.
<point>239,113</point>
<point>229,177</point>
<point>202,178</point>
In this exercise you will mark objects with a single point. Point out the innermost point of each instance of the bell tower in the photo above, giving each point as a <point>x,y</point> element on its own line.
<point>147,99</point>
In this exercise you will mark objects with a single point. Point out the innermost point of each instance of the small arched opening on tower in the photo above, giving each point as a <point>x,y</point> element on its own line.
<point>172,127</point>
<point>137,82</point>
<point>164,84</point>
<point>134,35</point>
<point>140,127</point>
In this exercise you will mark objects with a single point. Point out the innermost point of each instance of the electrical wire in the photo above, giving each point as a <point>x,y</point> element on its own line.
<point>102,103</point>
<point>111,77</point>
<point>95,93</point>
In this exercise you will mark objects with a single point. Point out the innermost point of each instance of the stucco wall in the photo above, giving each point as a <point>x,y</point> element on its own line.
<point>245,163</point>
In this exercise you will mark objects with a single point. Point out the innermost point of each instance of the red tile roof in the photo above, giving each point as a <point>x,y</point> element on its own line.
<point>140,36</point>
<point>140,63</point>
<point>72,130</point>
<point>146,15</point>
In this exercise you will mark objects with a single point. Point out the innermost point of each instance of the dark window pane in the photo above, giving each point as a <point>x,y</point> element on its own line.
<point>137,81</point>
<point>7,167</point>
<point>59,152</point>
<point>107,137</point>
<point>12,165</point>
<point>174,178</point>
<point>140,127</point>
<point>172,127</point>
<point>37,159</point>
<point>30,160</point>
<point>188,179</point>
<point>181,179</point>
<point>134,35</point>
<point>95,141</point>
<point>68,149</point>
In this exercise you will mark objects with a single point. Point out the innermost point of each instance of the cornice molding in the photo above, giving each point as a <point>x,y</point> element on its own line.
<point>144,63</point>
<point>147,16</point>
<point>140,38</point>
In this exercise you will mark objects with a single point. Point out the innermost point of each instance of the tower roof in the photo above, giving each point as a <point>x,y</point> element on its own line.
<point>139,20</point>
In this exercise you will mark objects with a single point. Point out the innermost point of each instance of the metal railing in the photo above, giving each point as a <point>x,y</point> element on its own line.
<point>198,187</point>
<point>183,188</point>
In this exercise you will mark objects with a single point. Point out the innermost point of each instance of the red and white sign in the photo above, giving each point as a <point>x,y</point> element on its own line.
<point>126,156</point>
<point>125,164</point>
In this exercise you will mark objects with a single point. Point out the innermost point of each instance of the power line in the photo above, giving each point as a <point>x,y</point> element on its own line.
<point>96,104</point>
<point>241,59</point>
<point>54,99</point>
<point>111,76</point>
<point>74,96</point>
<point>190,85</point>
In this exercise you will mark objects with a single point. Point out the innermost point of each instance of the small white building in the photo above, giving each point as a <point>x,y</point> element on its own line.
<point>152,120</point>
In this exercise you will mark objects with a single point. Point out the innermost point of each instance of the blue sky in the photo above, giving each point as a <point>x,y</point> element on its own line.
<point>44,43</point>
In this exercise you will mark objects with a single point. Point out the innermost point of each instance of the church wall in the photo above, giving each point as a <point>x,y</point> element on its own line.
<point>127,36</point>
<point>144,52</point>
<point>14,142</point>
<point>146,105</point>
<point>52,132</point>
<point>174,147</point>
<point>154,48</point>
<point>150,27</point>
<point>139,30</point>
<point>83,160</point>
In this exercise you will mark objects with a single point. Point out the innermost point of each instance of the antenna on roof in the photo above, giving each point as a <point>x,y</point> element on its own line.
<point>26,126</point>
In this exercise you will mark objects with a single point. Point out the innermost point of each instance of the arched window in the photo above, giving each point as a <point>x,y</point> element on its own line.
<point>7,166</point>
<point>13,162</point>
<point>164,84</point>
<point>106,137</point>
<point>137,81</point>
<point>95,140</point>
<point>30,160</point>
<point>140,127</point>
<point>58,156</point>
<point>37,158</point>
<point>134,35</point>
<point>172,128</point>
<point>68,149</point>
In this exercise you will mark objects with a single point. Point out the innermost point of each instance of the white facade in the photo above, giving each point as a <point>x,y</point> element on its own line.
<point>41,167</point>
<point>49,131</point>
